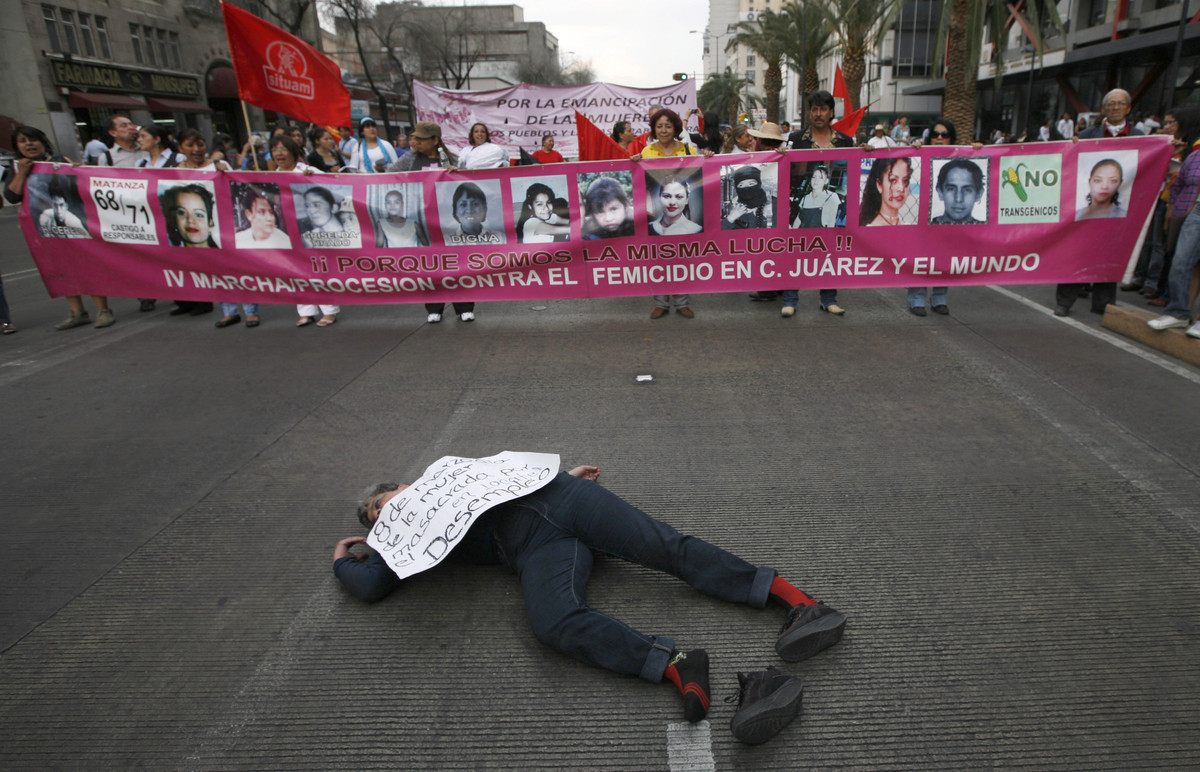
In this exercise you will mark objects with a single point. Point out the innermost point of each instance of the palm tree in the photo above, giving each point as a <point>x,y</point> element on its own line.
<point>725,95</point>
<point>808,43</point>
<point>859,26</point>
<point>962,27</point>
<point>768,38</point>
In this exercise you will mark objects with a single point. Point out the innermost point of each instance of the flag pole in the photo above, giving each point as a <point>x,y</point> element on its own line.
<point>249,135</point>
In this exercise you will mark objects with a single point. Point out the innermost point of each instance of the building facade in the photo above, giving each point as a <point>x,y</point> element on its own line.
<point>70,64</point>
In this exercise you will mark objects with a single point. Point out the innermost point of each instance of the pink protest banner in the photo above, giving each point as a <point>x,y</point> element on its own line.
<point>1017,214</point>
<point>520,116</point>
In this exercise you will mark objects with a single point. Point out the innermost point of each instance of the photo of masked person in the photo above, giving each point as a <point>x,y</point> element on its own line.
<point>537,220</point>
<point>471,212</point>
<point>748,196</point>
<point>325,216</point>
<point>189,213</point>
<point>960,192</point>
<point>62,214</point>
<point>887,192</point>
<point>675,202</point>
<point>816,202</point>
<point>398,215</point>
<point>608,213</point>
<point>257,216</point>
<point>1105,184</point>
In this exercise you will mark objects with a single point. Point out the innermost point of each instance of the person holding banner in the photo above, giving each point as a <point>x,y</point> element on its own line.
<point>31,145</point>
<point>482,153</point>
<point>160,153</point>
<point>371,154</point>
<point>548,538</point>
<point>287,154</point>
<point>622,134</point>
<point>325,156</point>
<point>667,125</point>
<point>193,145</point>
<point>426,150</point>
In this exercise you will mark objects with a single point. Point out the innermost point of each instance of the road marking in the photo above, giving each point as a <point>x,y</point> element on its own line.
<point>18,275</point>
<point>1109,338</point>
<point>689,747</point>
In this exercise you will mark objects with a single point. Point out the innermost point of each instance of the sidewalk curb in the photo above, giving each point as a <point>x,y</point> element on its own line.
<point>1131,322</point>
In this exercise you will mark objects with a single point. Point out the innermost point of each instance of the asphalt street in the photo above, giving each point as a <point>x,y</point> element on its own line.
<point>1004,504</point>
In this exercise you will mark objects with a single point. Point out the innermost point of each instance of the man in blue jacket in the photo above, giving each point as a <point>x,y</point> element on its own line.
<point>548,538</point>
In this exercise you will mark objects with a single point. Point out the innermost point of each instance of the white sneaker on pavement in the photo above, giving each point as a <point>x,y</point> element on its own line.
<point>467,316</point>
<point>1166,322</point>
<point>433,318</point>
<point>787,311</point>
<point>1194,331</point>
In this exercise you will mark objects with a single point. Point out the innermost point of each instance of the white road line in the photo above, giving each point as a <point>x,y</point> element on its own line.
<point>17,275</point>
<point>1109,338</point>
<point>689,747</point>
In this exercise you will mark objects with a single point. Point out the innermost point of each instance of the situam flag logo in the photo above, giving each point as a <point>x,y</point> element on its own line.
<point>286,69</point>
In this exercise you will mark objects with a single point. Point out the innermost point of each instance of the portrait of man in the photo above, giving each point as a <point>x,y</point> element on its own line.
<point>471,212</point>
<point>56,197</point>
<point>189,213</point>
<point>960,192</point>
<point>259,221</point>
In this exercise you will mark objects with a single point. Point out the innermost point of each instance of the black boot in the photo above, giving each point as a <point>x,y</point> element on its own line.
<point>768,700</point>
<point>808,630</point>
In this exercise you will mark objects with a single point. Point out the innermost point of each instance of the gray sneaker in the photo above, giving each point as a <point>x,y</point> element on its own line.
<point>74,320</point>
<point>768,700</point>
<point>105,318</point>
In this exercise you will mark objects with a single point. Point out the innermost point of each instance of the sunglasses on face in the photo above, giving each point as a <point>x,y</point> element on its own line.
<point>945,134</point>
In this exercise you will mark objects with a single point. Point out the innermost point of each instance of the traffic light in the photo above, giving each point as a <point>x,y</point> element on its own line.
<point>679,76</point>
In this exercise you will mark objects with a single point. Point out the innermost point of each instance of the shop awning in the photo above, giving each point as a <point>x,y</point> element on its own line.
<point>159,105</point>
<point>94,99</point>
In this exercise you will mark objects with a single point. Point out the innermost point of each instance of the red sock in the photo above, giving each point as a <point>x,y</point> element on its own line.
<point>784,593</point>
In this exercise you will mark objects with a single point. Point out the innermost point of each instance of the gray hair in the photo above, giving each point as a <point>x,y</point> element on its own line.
<point>1117,92</point>
<point>367,496</point>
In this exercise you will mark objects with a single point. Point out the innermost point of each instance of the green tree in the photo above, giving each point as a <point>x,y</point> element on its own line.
<point>725,95</point>
<point>768,37</point>
<point>809,41</point>
<point>963,27</point>
<point>859,27</point>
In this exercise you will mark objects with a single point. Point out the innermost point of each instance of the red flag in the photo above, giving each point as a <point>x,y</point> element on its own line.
<point>849,124</point>
<point>839,84</point>
<point>278,71</point>
<point>594,144</point>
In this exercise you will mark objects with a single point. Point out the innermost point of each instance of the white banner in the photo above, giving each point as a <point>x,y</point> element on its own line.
<point>520,116</point>
<point>420,525</point>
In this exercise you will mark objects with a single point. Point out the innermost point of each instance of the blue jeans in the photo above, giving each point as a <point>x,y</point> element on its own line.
<point>548,539</point>
<point>916,297</point>
<point>792,297</point>
<point>664,301</point>
<point>231,309</point>
<point>1187,252</point>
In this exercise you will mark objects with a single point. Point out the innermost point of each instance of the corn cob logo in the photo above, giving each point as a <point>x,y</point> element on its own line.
<point>1013,179</point>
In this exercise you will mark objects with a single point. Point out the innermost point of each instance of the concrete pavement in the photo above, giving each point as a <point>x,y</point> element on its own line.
<point>1003,504</point>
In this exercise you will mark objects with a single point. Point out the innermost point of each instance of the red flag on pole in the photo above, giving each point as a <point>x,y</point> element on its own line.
<point>849,124</point>
<point>839,84</point>
<point>279,71</point>
<point>594,144</point>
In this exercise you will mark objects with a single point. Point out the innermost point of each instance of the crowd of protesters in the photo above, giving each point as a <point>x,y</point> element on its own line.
<point>1162,277</point>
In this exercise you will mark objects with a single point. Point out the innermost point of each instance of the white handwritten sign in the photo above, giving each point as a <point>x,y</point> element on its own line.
<point>125,214</point>
<point>419,526</point>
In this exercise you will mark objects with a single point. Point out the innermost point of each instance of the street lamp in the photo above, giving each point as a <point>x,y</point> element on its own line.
<point>718,67</point>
